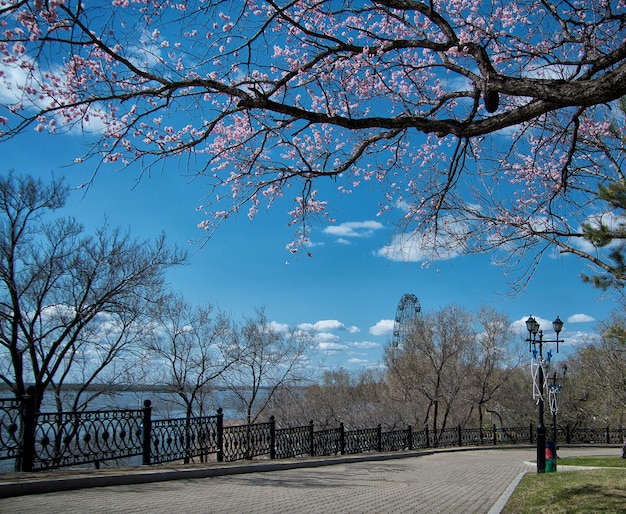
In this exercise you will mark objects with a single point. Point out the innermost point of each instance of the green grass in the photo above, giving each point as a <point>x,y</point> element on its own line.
<point>602,462</point>
<point>592,491</point>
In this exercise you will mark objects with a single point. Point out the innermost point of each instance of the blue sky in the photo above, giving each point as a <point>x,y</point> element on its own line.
<point>346,290</point>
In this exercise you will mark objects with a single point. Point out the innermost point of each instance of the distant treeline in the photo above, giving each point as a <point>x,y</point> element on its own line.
<point>120,388</point>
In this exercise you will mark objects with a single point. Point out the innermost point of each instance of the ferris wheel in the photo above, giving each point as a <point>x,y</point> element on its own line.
<point>408,310</point>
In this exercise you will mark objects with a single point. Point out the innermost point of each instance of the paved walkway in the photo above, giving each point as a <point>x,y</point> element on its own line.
<point>472,481</point>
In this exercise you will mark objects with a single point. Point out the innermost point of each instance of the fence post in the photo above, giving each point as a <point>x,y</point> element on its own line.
<point>311,439</point>
<point>220,435</point>
<point>409,436</point>
<point>530,431</point>
<point>568,435</point>
<point>608,435</point>
<point>146,432</point>
<point>272,437</point>
<point>427,436</point>
<point>29,417</point>
<point>379,438</point>
<point>342,439</point>
<point>495,434</point>
<point>460,435</point>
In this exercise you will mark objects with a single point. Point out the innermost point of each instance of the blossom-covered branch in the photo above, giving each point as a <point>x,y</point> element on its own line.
<point>472,111</point>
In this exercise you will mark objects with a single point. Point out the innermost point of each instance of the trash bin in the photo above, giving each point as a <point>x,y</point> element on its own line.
<point>550,457</point>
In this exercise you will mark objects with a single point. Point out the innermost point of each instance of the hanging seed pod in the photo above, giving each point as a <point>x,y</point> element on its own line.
<point>492,100</point>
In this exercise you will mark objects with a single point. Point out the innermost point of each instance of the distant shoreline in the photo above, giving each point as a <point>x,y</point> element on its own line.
<point>123,388</point>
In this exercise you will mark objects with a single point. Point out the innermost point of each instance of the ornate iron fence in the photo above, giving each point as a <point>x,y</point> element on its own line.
<point>477,436</point>
<point>11,429</point>
<point>362,440</point>
<point>184,439</point>
<point>515,435</point>
<point>581,435</point>
<point>420,439</point>
<point>446,437</point>
<point>48,440</point>
<point>245,442</point>
<point>396,440</point>
<point>329,441</point>
<point>74,438</point>
<point>294,441</point>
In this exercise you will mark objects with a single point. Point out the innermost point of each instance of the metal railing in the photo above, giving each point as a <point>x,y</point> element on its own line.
<point>70,438</point>
<point>183,439</point>
<point>11,428</point>
<point>48,440</point>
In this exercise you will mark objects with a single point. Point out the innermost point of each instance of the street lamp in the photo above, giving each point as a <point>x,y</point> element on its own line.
<point>553,390</point>
<point>535,338</point>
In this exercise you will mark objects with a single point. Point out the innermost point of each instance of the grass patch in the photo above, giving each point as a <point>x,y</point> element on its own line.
<point>602,462</point>
<point>592,491</point>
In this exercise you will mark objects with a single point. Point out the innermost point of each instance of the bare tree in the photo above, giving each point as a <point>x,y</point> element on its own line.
<point>488,123</point>
<point>269,357</point>
<point>439,350</point>
<point>597,374</point>
<point>402,373</point>
<point>188,350</point>
<point>512,405</point>
<point>71,304</point>
<point>338,396</point>
<point>496,358</point>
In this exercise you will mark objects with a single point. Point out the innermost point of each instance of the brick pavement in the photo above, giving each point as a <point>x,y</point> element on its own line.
<point>472,481</point>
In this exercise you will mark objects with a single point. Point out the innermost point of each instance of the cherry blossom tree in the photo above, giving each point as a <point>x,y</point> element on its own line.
<point>483,125</point>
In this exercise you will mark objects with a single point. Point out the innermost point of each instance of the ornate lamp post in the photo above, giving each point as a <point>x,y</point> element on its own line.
<point>553,390</point>
<point>535,339</point>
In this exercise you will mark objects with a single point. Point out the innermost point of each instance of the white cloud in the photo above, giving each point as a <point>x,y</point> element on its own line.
<point>447,243</point>
<point>326,337</point>
<point>29,75</point>
<point>146,55</point>
<point>353,229</point>
<point>580,338</point>
<point>12,76</point>
<point>519,326</point>
<point>17,79</point>
<point>573,338</point>
<point>609,219</point>
<point>550,71</point>
<point>355,360</point>
<point>278,327</point>
<point>331,347</point>
<point>328,324</point>
<point>580,318</point>
<point>366,345</point>
<point>382,328</point>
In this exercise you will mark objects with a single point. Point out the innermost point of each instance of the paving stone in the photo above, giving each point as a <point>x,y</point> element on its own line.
<point>471,481</point>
